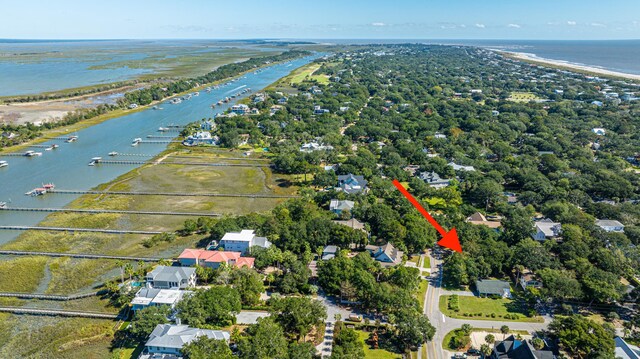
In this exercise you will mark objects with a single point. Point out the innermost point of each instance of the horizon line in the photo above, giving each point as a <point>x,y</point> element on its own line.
<point>311,39</point>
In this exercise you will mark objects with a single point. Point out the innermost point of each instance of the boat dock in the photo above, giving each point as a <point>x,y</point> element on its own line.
<point>174,194</point>
<point>58,313</point>
<point>79,256</point>
<point>97,211</point>
<point>133,162</point>
<point>157,142</point>
<point>69,229</point>
<point>47,296</point>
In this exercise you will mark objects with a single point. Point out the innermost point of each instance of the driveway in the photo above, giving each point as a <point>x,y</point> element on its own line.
<point>250,317</point>
<point>325,348</point>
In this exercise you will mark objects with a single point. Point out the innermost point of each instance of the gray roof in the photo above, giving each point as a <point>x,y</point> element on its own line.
<point>353,223</point>
<point>512,348</point>
<point>171,274</point>
<point>330,249</point>
<point>608,223</point>
<point>492,286</point>
<point>548,227</point>
<point>341,205</point>
<point>176,336</point>
<point>148,293</point>
<point>626,351</point>
<point>351,183</point>
<point>261,242</point>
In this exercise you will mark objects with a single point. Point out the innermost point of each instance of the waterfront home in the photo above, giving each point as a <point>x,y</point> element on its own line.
<point>352,184</point>
<point>282,100</point>
<point>213,259</point>
<point>329,252</point>
<point>315,90</point>
<point>610,225</point>
<point>240,109</point>
<point>147,297</point>
<point>169,339</point>
<point>480,220</point>
<point>493,287</point>
<point>337,206</point>
<point>546,229</point>
<point>164,277</point>
<point>201,138</point>
<point>133,105</point>
<point>457,167</point>
<point>434,180</point>
<point>387,255</point>
<point>495,113</point>
<point>274,109</point>
<point>242,241</point>
<point>513,348</point>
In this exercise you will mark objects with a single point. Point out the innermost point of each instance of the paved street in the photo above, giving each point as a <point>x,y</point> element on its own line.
<point>445,324</point>
<point>332,309</point>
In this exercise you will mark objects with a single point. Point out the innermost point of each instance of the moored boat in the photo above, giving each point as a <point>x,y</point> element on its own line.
<point>4,164</point>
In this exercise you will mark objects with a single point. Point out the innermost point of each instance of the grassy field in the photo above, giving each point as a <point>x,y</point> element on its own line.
<point>487,307</point>
<point>523,97</point>
<point>56,337</point>
<point>414,259</point>
<point>422,290</point>
<point>426,262</point>
<point>375,353</point>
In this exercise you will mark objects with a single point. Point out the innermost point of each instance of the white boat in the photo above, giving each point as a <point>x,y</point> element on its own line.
<point>196,93</point>
<point>175,101</point>
<point>114,153</point>
<point>136,141</point>
<point>71,139</point>
<point>3,204</point>
<point>163,129</point>
<point>4,164</point>
<point>32,153</point>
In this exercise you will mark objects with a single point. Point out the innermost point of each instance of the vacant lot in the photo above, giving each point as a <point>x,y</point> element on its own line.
<point>523,97</point>
<point>486,309</point>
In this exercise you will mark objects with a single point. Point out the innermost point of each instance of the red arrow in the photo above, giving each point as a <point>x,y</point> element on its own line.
<point>449,239</point>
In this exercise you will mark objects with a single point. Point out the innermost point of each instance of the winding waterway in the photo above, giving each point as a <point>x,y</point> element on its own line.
<point>67,166</point>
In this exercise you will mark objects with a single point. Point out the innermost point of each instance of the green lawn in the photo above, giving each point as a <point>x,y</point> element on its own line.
<point>447,338</point>
<point>523,97</point>
<point>426,262</point>
<point>375,353</point>
<point>486,307</point>
<point>414,259</point>
<point>422,290</point>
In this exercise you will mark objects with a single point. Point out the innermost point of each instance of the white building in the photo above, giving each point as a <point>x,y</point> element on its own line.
<point>457,167</point>
<point>599,131</point>
<point>242,241</point>
<point>147,297</point>
<point>610,225</point>
<point>546,229</point>
<point>169,339</point>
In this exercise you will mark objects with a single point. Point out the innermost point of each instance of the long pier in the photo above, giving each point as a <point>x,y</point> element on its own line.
<point>97,211</point>
<point>47,296</point>
<point>58,313</point>
<point>69,229</point>
<point>174,194</point>
<point>79,256</point>
<point>158,141</point>
<point>133,162</point>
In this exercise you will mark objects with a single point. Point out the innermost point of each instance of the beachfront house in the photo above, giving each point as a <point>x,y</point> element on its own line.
<point>610,225</point>
<point>242,241</point>
<point>546,229</point>
<point>147,297</point>
<point>240,109</point>
<point>493,287</point>
<point>168,340</point>
<point>213,259</point>
<point>337,206</point>
<point>164,277</point>
<point>352,184</point>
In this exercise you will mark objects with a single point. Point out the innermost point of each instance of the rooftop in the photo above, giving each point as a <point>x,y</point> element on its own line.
<point>176,336</point>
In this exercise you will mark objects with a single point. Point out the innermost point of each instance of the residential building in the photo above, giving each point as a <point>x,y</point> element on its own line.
<point>240,109</point>
<point>457,167</point>
<point>315,146</point>
<point>352,223</point>
<point>529,280</point>
<point>434,180</point>
<point>329,252</point>
<point>317,110</point>
<point>386,254</point>
<point>440,135</point>
<point>479,219</point>
<point>201,138</point>
<point>170,338</point>
<point>213,259</point>
<point>164,277</point>
<point>599,131</point>
<point>352,184</point>
<point>546,229</point>
<point>493,287</point>
<point>337,206</point>
<point>512,348</point>
<point>147,297</point>
<point>610,225</point>
<point>626,351</point>
<point>242,241</point>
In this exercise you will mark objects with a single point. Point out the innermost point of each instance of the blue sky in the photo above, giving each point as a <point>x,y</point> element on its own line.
<point>399,19</point>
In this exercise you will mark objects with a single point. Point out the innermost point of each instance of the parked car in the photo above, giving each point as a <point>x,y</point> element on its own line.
<point>460,356</point>
<point>473,351</point>
<point>355,318</point>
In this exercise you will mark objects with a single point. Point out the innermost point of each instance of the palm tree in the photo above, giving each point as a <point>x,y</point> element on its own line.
<point>120,264</point>
<point>128,268</point>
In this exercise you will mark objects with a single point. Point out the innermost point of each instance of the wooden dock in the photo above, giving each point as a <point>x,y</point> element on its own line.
<point>172,194</point>
<point>69,229</point>
<point>47,296</point>
<point>79,256</point>
<point>58,313</point>
<point>97,211</point>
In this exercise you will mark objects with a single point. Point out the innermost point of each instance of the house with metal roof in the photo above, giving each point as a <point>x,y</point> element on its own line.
<point>434,180</point>
<point>169,339</point>
<point>546,229</point>
<point>626,351</point>
<point>242,241</point>
<point>491,287</point>
<point>329,252</point>
<point>512,348</point>
<point>337,206</point>
<point>352,184</point>
<point>610,225</point>
<point>164,277</point>
<point>387,255</point>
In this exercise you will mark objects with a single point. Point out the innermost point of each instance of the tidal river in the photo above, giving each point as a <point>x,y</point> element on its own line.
<point>67,166</point>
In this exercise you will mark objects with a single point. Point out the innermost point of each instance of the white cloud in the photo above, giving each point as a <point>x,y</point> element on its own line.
<point>514,26</point>
<point>480,26</point>
<point>378,24</point>
<point>571,23</point>
<point>597,24</point>
<point>463,26</point>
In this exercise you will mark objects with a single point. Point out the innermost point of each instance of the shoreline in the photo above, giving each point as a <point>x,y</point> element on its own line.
<point>584,69</point>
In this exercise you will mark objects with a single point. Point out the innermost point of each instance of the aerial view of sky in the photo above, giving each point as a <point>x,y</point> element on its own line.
<point>329,19</point>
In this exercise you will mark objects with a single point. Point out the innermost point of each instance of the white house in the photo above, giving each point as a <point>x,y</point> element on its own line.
<point>164,277</point>
<point>610,225</point>
<point>599,131</point>
<point>457,167</point>
<point>546,229</point>
<point>240,109</point>
<point>242,241</point>
<point>147,297</point>
<point>169,339</point>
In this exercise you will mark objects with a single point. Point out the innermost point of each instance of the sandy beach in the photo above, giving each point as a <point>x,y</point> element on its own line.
<point>569,66</point>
